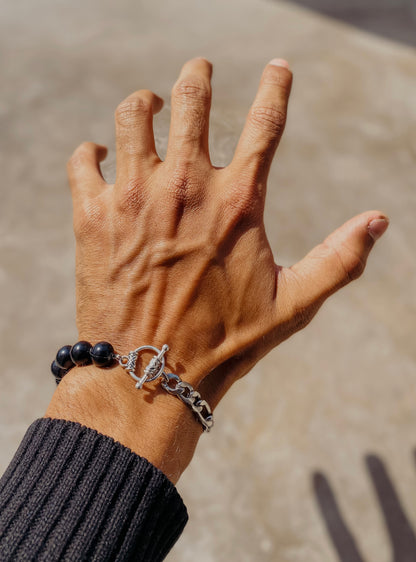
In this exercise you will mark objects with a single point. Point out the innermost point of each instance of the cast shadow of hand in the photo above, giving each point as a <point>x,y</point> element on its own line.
<point>400,531</point>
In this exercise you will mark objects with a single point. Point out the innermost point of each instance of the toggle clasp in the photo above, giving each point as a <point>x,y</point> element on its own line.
<point>172,383</point>
<point>153,370</point>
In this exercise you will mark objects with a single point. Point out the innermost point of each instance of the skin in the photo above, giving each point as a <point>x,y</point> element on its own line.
<point>176,252</point>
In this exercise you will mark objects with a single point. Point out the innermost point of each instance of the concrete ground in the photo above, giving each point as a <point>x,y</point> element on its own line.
<point>395,19</point>
<point>312,458</point>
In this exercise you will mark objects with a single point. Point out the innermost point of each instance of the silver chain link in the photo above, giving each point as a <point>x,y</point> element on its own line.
<point>185,392</point>
<point>155,369</point>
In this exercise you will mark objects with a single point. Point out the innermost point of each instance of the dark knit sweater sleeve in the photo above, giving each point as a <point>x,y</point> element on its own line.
<point>71,493</point>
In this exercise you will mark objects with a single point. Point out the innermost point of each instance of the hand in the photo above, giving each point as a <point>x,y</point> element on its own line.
<point>176,252</point>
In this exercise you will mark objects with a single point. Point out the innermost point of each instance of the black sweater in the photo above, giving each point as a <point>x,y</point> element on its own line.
<point>71,493</point>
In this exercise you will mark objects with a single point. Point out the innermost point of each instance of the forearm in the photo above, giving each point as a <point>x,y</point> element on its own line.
<point>149,421</point>
<point>71,493</point>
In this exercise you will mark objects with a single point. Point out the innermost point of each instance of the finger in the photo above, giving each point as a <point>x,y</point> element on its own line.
<point>191,103</point>
<point>265,121</point>
<point>340,259</point>
<point>342,538</point>
<point>402,536</point>
<point>84,171</point>
<point>135,142</point>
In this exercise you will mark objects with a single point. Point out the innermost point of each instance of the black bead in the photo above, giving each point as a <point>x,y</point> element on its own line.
<point>80,353</point>
<point>57,371</point>
<point>102,354</point>
<point>63,357</point>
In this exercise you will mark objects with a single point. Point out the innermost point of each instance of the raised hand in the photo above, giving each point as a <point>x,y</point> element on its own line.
<point>176,252</point>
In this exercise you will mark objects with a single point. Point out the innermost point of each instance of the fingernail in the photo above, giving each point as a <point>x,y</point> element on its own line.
<point>280,62</point>
<point>377,228</point>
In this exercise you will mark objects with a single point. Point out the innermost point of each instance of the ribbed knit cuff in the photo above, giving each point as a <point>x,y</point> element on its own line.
<point>71,493</point>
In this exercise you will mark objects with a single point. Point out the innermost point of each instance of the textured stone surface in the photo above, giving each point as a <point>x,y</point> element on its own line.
<point>337,392</point>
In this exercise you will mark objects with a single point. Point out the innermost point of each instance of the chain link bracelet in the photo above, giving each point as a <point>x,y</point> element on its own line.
<point>173,384</point>
<point>103,355</point>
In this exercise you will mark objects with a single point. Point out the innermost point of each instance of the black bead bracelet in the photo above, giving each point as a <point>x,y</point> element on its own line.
<point>102,355</point>
<point>81,354</point>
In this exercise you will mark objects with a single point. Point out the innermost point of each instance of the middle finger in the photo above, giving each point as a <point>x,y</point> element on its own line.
<point>191,103</point>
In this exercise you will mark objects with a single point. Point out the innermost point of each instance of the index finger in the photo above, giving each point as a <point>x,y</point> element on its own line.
<point>265,121</point>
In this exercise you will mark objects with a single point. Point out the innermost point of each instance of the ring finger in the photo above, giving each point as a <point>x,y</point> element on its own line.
<point>135,143</point>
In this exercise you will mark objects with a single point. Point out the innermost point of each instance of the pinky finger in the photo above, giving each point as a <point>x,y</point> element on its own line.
<point>84,172</point>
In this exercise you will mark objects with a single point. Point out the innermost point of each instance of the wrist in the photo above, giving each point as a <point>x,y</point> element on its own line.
<point>149,421</point>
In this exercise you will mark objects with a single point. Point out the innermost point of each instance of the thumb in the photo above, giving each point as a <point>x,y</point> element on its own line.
<point>341,258</point>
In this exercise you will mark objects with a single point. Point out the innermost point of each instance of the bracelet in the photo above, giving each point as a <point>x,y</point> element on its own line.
<point>103,355</point>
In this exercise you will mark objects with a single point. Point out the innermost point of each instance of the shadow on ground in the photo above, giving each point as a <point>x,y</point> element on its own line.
<point>401,534</point>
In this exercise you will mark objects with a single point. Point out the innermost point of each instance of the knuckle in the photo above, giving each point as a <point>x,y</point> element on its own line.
<point>184,186</point>
<point>192,89</point>
<point>244,198</point>
<point>88,219</point>
<point>131,197</point>
<point>350,262</point>
<point>269,119</point>
<point>129,109</point>
<point>79,155</point>
<point>353,265</point>
<point>179,183</point>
